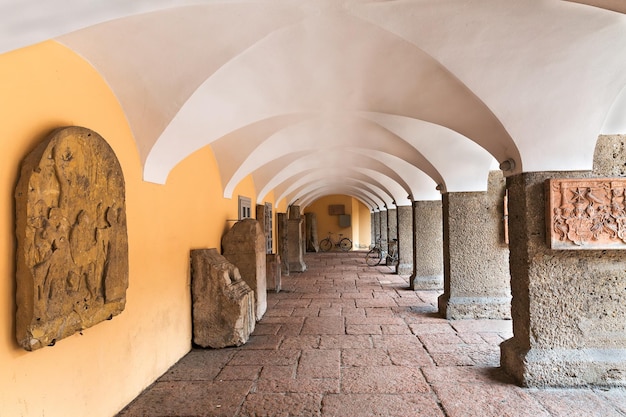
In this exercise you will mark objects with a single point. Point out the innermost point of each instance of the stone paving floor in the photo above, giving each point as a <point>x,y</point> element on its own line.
<point>343,340</point>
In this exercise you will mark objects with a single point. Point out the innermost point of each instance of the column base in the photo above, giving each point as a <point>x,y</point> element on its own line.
<point>404,269</point>
<point>459,308</point>
<point>563,367</point>
<point>297,266</point>
<point>433,282</point>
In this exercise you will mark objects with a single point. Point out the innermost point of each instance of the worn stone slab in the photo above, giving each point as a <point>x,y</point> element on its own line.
<point>383,380</point>
<point>375,405</point>
<point>578,402</point>
<point>222,302</point>
<point>586,213</point>
<point>244,246</point>
<point>290,404</point>
<point>72,244</point>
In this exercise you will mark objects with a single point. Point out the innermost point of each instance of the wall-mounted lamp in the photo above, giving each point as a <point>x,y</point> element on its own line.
<point>508,165</point>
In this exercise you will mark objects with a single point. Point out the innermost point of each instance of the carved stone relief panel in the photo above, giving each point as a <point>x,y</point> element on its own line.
<point>586,213</point>
<point>72,244</point>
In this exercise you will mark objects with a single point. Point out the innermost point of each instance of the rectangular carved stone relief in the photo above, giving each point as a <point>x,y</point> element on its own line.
<point>587,213</point>
<point>72,244</point>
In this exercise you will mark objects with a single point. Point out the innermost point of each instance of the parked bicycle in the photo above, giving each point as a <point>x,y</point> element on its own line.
<point>377,254</point>
<point>344,243</point>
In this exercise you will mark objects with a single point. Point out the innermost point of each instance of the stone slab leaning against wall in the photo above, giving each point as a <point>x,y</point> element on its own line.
<point>72,244</point>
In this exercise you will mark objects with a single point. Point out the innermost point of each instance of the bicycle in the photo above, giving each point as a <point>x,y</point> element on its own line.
<point>344,243</point>
<point>376,254</point>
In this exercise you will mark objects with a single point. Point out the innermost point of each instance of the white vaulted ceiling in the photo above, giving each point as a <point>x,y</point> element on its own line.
<point>381,100</point>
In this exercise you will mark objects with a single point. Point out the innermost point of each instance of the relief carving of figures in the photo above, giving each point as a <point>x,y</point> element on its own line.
<point>586,213</point>
<point>72,255</point>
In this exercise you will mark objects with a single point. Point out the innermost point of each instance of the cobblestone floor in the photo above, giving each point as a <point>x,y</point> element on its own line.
<point>346,340</point>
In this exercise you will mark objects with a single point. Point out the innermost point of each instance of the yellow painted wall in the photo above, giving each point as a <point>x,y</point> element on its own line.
<point>47,86</point>
<point>360,219</point>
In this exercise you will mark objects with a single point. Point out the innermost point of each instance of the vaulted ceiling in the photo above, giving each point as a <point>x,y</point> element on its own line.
<point>386,101</point>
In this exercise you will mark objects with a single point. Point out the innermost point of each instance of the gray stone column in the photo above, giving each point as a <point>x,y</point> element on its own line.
<point>295,240</point>
<point>282,234</point>
<point>376,225</point>
<point>392,224</point>
<point>405,240</point>
<point>476,258</point>
<point>569,314</point>
<point>427,246</point>
<point>383,230</point>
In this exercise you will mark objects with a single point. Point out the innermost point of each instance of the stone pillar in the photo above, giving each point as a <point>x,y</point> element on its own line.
<point>405,240</point>
<point>427,246</point>
<point>476,257</point>
<point>372,228</point>
<point>376,226</point>
<point>282,232</point>
<point>383,230</point>
<point>244,247</point>
<point>569,315</point>
<point>392,224</point>
<point>222,302</point>
<point>295,240</point>
<point>312,241</point>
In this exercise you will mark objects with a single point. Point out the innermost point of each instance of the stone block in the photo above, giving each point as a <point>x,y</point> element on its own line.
<point>244,246</point>
<point>274,273</point>
<point>72,244</point>
<point>222,302</point>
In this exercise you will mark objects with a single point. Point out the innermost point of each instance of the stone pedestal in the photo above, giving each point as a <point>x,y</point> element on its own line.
<point>476,257</point>
<point>312,240</point>
<point>569,306</point>
<point>222,302</point>
<point>427,246</point>
<point>273,274</point>
<point>282,232</point>
<point>405,240</point>
<point>244,246</point>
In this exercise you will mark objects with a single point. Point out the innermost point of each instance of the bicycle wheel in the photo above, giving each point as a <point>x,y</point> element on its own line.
<point>326,245</point>
<point>345,244</point>
<point>373,257</point>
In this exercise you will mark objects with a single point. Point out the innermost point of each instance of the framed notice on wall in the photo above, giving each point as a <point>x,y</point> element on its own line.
<point>336,209</point>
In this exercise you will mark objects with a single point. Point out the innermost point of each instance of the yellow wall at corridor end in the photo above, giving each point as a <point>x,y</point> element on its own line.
<point>359,230</point>
<point>44,87</point>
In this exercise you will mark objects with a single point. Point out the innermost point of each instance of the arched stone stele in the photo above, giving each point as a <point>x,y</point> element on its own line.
<point>72,244</point>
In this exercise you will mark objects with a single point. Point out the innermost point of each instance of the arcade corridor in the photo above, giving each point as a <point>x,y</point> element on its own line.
<point>342,339</point>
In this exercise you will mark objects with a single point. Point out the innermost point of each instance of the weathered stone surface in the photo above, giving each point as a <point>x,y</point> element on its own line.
<point>244,246</point>
<point>72,245</point>
<point>295,240</point>
<point>405,240</point>
<point>222,302</point>
<point>384,229</point>
<point>586,213</point>
<point>569,307</point>
<point>312,240</point>
<point>427,246</point>
<point>282,228</point>
<point>273,272</point>
<point>476,258</point>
